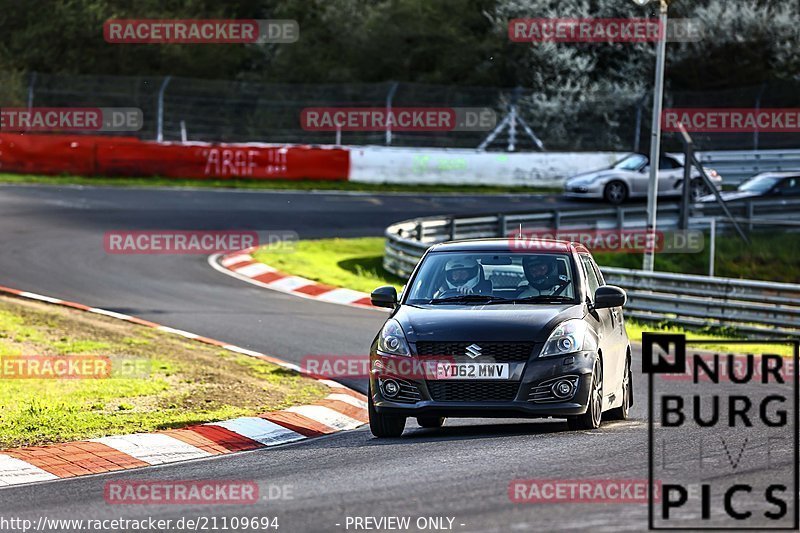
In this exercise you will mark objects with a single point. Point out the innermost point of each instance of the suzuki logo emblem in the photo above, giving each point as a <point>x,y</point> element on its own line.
<point>473,350</point>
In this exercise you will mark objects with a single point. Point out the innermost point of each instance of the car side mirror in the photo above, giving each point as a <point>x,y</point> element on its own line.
<point>609,296</point>
<point>385,296</point>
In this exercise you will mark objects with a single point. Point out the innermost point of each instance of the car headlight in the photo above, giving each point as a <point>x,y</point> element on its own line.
<point>392,340</point>
<point>567,338</point>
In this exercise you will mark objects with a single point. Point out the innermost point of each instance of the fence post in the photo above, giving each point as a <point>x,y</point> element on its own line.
<point>687,184</point>
<point>556,219</point>
<point>712,252</point>
<point>31,85</point>
<point>389,98</point>
<point>420,231</point>
<point>758,108</point>
<point>501,225</point>
<point>452,229</point>
<point>620,217</point>
<point>160,125</point>
<point>638,133</point>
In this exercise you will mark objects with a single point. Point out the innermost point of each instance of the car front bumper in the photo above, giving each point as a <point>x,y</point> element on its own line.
<point>592,190</point>
<point>538,375</point>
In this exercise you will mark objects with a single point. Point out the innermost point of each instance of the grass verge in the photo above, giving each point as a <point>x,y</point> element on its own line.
<point>352,263</point>
<point>357,264</point>
<point>181,382</point>
<point>301,185</point>
<point>769,256</point>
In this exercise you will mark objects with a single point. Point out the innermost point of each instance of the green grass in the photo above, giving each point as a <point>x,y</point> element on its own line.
<point>635,330</point>
<point>302,185</point>
<point>769,256</point>
<point>357,264</point>
<point>184,382</point>
<point>351,263</point>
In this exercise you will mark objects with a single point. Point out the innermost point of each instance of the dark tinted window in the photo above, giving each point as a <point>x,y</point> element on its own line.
<point>591,275</point>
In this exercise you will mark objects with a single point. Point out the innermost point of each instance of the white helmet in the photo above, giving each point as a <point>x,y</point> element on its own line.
<point>462,272</point>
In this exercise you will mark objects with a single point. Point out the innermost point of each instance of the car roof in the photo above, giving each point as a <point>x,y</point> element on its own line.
<point>510,244</point>
<point>793,174</point>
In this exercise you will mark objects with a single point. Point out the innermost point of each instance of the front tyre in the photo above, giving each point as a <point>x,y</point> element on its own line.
<point>384,426</point>
<point>615,192</point>
<point>697,189</point>
<point>623,411</point>
<point>591,418</point>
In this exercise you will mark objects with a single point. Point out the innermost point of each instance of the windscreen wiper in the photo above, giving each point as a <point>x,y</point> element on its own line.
<point>546,298</point>
<point>469,298</point>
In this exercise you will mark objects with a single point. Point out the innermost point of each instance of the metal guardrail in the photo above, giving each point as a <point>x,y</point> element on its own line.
<point>737,165</point>
<point>756,307</point>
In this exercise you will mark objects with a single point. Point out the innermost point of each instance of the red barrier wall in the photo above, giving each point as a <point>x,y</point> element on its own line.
<point>127,156</point>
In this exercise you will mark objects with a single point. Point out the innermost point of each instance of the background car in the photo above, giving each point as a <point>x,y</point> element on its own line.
<point>764,184</point>
<point>629,177</point>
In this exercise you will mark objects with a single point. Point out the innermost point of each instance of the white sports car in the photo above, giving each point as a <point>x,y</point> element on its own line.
<point>628,178</point>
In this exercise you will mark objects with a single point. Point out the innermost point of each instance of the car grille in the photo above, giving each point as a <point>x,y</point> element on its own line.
<point>498,351</point>
<point>409,393</point>
<point>543,392</point>
<point>450,391</point>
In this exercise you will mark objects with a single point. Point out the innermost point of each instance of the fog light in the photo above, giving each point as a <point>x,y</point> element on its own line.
<point>563,388</point>
<point>390,388</point>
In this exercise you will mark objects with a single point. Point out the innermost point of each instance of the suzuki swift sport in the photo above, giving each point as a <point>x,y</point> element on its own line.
<point>501,328</point>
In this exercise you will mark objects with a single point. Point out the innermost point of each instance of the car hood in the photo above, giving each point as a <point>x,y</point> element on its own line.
<point>588,177</point>
<point>729,196</point>
<point>499,322</point>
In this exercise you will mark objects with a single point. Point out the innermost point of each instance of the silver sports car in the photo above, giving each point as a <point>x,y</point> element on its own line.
<point>628,178</point>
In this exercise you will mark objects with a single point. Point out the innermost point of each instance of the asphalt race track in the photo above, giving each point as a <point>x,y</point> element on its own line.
<point>52,243</point>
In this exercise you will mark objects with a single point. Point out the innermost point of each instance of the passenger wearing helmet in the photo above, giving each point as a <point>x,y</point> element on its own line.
<point>463,275</point>
<point>541,271</point>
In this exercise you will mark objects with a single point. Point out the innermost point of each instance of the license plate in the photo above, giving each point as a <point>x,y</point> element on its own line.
<point>472,371</point>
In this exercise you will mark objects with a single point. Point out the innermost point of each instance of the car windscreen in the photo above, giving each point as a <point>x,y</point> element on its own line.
<point>632,162</point>
<point>759,184</point>
<point>531,277</point>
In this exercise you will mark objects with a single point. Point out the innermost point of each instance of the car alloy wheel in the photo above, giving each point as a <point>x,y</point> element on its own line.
<point>697,189</point>
<point>623,411</point>
<point>616,192</point>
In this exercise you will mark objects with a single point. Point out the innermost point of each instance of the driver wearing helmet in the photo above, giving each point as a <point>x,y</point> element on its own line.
<point>541,271</point>
<point>463,276</point>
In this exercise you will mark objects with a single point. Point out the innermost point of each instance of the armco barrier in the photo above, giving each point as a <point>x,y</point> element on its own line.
<point>449,166</point>
<point>736,166</point>
<point>760,308</point>
<point>86,155</point>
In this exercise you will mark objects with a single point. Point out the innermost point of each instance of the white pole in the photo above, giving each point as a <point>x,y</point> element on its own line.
<point>160,123</point>
<point>655,135</point>
<point>712,247</point>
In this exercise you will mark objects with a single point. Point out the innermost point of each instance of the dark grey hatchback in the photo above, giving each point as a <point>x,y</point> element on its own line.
<point>501,328</point>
